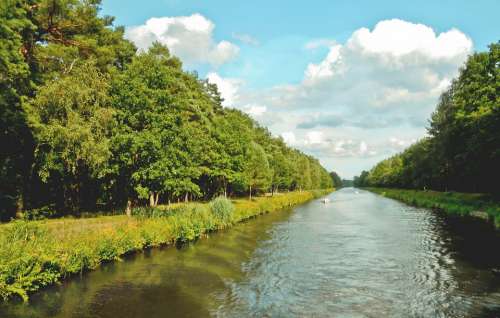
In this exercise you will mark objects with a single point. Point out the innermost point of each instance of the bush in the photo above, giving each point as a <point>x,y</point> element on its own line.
<point>223,209</point>
<point>25,259</point>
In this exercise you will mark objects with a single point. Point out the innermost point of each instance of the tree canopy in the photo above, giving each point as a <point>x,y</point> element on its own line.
<point>90,123</point>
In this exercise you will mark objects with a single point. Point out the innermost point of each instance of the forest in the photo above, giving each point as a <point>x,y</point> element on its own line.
<point>462,150</point>
<point>89,123</point>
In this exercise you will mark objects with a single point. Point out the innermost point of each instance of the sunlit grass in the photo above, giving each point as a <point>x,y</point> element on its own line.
<point>34,254</point>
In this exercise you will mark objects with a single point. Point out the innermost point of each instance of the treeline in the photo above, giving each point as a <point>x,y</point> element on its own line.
<point>337,181</point>
<point>462,151</point>
<point>89,123</point>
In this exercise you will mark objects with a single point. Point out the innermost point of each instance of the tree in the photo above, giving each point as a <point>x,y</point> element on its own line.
<point>87,124</point>
<point>16,142</point>
<point>257,173</point>
<point>72,121</point>
<point>337,181</point>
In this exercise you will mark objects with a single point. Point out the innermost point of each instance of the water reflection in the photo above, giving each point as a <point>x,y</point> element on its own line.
<point>358,256</point>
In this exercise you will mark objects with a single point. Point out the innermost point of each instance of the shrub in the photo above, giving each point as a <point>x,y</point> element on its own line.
<point>222,208</point>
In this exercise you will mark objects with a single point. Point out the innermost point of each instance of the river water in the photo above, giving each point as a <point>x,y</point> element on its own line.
<point>361,255</point>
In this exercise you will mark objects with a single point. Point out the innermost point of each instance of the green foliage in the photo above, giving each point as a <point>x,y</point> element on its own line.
<point>222,208</point>
<point>92,124</point>
<point>450,202</point>
<point>15,135</point>
<point>257,172</point>
<point>337,181</point>
<point>26,252</point>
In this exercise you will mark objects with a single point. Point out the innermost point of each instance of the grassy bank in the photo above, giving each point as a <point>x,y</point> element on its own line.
<point>463,204</point>
<point>34,254</point>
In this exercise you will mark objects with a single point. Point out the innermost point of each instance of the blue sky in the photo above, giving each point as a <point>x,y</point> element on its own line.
<point>294,65</point>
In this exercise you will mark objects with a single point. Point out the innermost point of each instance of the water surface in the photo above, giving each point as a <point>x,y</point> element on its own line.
<point>361,255</point>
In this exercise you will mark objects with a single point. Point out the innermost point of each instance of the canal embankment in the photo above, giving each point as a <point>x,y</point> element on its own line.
<point>35,254</point>
<point>473,205</point>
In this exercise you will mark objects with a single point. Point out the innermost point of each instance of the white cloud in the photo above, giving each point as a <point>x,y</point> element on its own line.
<point>255,110</point>
<point>363,147</point>
<point>324,69</point>
<point>398,144</point>
<point>289,137</point>
<point>367,99</point>
<point>314,138</point>
<point>399,38</point>
<point>189,37</point>
<point>228,87</point>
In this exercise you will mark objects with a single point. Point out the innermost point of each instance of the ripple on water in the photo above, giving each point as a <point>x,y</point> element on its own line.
<point>362,255</point>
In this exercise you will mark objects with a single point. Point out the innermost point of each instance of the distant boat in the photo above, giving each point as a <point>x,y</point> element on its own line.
<point>325,200</point>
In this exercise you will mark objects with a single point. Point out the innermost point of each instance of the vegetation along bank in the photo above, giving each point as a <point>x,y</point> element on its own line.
<point>476,205</point>
<point>34,254</point>
<point>89,123</point>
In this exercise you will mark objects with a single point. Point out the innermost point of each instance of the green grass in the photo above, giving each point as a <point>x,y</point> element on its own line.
<point>455,203</point>
<point>35,254</point>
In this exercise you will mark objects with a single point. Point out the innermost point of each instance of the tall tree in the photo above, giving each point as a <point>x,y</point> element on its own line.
<point>16,141</point>
<point>257,172</point>
<point>72,122</point>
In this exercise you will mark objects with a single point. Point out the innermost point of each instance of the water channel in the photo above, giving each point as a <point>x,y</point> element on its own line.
<point>361,255</point>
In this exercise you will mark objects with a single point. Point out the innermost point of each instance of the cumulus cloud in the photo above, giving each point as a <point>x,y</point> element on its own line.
<point>398,144</point>
<point>369,97</point>
<point>189,37</point>
<point>289,137</point>
<point>229,91</point>
<point>255,110</point>
<point>314,138</point>
<point>228,87</point>
<point>319,143</point>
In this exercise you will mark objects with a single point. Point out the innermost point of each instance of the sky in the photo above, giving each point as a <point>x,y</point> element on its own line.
<point>349,82</point>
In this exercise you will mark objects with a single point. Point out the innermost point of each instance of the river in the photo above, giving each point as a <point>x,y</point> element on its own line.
<point>361,255</point>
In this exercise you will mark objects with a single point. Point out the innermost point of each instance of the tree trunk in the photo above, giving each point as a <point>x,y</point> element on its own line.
<point>186,198</point>
<point>250,193</point>
<point>128,209</point>
<point>157,198</point>
<point>20,206</point>
<point>151,199</point>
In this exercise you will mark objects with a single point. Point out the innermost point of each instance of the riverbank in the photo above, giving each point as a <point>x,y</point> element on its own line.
<point>454,203</point>
<point>35,254</point>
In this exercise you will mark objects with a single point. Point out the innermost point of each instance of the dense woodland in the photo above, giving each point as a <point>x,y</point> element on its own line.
<point>462,151</point>
<point>88,123</point>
